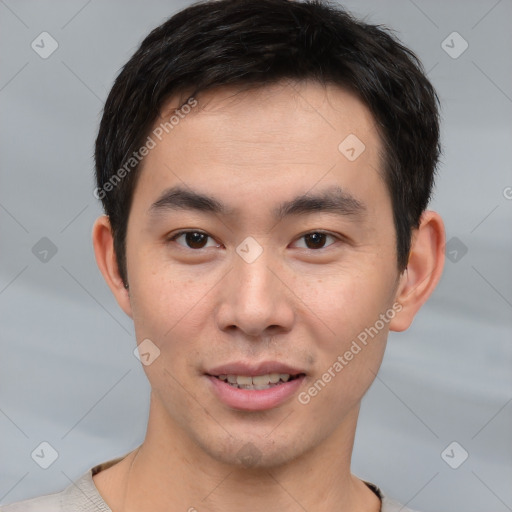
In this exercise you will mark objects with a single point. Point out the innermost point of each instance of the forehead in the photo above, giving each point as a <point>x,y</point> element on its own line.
<point>280,136</point>
<point>293,111</point>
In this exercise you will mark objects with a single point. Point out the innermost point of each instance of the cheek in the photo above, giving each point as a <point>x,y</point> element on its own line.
<point>163,294</point>
<point>168,312</point>
<point>345,302</point>
<point>349,345</point>
<point>351,337</point>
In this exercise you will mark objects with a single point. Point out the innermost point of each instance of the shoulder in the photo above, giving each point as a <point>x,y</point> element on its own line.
<point>47,503</point>
<point>79,496</point>
<point>388,504</point>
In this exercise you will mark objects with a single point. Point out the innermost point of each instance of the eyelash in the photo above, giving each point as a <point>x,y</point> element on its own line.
<point>174,237</point>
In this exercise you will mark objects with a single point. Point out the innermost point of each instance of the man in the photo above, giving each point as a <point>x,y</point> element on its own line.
<point>265,167</point>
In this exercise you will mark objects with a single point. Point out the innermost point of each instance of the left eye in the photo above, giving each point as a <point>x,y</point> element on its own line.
<point>315,240</point>
<point>194,239</point>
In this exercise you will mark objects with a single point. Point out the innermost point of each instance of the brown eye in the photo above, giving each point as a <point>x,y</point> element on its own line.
<point>193,239</point>
<point>196,240</point>
<point>315,240</point>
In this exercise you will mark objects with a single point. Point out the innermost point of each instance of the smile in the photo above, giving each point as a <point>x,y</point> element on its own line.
<point>256,392</point>
<point>256,382</point>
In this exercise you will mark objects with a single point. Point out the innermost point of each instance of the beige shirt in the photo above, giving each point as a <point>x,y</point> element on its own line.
<point>83,496</point>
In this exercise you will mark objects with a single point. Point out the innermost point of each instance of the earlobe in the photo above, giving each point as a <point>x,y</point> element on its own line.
<point>103,244</point>
<point>424,269</point>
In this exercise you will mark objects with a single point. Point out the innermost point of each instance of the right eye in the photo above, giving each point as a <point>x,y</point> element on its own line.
<point>193,239</point>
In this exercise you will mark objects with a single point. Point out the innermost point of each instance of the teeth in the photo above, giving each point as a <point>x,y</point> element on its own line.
<point>256,382</point>
<point>260,380</point>
<point>243,380</point>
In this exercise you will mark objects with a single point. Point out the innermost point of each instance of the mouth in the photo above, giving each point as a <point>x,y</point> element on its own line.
<point>257,382</point>
<point>249,387</point>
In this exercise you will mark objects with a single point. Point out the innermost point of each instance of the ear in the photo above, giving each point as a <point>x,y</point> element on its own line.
<point>103,243</point>
<point>424,269</point>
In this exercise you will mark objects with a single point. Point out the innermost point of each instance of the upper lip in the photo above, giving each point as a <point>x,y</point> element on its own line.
<point>253,369</point>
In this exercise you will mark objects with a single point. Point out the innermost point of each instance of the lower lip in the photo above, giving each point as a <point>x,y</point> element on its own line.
<point>255,399</point>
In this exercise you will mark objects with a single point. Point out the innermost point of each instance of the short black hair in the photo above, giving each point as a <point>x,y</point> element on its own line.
<point>261,42</point>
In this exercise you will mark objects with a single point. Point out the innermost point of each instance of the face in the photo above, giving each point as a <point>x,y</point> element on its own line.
<point>258,246</point>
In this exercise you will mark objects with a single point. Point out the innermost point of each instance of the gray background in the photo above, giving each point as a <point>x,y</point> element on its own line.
<point>68,375</point>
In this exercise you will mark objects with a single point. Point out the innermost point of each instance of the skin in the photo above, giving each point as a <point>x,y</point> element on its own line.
<point>304,306</point>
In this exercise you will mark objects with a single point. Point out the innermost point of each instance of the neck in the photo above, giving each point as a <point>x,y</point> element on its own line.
<point>169,467</point>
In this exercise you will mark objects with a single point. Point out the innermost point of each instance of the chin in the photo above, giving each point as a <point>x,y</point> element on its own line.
<point>252,452</point>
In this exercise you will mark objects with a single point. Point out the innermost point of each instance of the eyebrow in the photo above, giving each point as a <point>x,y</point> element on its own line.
<point>333,200</point>
<point>179,198</point>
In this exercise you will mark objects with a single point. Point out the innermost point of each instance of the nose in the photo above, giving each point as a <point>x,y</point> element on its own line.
<point>255,299</point>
